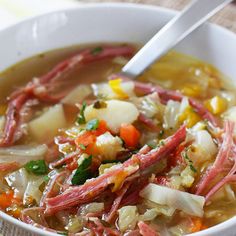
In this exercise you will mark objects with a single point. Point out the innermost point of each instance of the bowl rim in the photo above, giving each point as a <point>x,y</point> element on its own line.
<point>215,230</point>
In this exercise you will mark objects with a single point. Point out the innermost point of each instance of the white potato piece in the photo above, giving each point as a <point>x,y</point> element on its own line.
<point>46,126</point>
<point>189,203</point>
<point>116,113</point>
<point>77,95</point>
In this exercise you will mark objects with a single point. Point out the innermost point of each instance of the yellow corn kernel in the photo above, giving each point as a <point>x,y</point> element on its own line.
<point>3,109</point>
<point>117,89</point>
<point>189,117</point>
<point>216,105</point>
<point>192,90</point>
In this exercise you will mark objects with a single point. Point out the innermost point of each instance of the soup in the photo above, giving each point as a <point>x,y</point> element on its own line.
<point>87,151</point>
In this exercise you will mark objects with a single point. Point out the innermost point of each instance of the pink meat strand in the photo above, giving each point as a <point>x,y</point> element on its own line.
<point>221,163</point>
<point>49,190</point>
<point>37,87</point>
<point>65,159</point>
<point>148,122</point>
<point>9,166</point>
<point>94,187</point>
<point>146,230</point>
<point>116,204</point>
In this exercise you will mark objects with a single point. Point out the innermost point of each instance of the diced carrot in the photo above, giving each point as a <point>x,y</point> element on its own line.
<point>130,135</point>
<point>86,142</point>
<point>6,199</point>
<point>102,128</point>
<point>197,225</point>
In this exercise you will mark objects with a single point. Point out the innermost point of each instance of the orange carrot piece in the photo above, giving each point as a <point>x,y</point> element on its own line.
<point>130,135</point>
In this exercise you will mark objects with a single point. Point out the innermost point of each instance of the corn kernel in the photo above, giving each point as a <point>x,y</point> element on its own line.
<point>216,105</point>
<point>189,117</point>
<point>117,89</point>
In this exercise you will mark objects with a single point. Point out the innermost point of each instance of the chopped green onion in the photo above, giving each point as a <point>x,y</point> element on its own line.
<point>81,119</point>
<point>188,160</point>
<point>37,167</point>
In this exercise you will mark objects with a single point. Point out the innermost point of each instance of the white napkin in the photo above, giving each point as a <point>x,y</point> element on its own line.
<point>12,11</point>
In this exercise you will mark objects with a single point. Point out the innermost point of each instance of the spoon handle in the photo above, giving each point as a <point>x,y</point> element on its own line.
<point>172,33</point>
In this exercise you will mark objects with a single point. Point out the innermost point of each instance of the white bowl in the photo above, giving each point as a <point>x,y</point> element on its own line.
<point>114,23</point>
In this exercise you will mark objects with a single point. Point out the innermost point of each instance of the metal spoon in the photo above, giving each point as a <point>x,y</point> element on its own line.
<point>172,33</point>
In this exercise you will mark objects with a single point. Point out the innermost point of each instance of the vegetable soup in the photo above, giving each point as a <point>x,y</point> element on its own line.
<point>85,150</point>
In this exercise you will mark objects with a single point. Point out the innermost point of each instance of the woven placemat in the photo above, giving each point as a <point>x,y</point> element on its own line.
<point>226,18</point>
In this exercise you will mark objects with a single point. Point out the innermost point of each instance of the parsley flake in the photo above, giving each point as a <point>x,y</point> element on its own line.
<point>81,119</point>
<point>83,172</point>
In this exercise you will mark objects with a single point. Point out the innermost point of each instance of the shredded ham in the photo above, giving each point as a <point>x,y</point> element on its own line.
<point>146,230</point>
<point>99,229</point>
<point>39,87</point>
<point>65,159</point>
<point>148,122</point>
<point>115,206</point>
<point>53,186</point>
<point>226,157</point>
<point>9,166</point>
<point>94,187</point>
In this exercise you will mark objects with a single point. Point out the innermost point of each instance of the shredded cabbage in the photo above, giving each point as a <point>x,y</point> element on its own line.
<point>128,217</point>
<point>189,203</point>
<point>108,146</point>
<point>22,153</point>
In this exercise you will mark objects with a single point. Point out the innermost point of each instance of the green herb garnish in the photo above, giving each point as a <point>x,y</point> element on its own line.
<point>96,51</point>
<point>188,160</point>
<point>83,172</point>
<point>92,124</point>
<point>81,119</point>
<point>37,167</point>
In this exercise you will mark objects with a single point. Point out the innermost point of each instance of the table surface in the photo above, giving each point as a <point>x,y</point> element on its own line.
<point>226,18</point>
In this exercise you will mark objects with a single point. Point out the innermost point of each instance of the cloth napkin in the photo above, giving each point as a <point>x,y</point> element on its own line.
<point>11,11</point>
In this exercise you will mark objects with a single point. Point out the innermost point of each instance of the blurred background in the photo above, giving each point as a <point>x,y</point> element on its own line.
<point>12,11</point>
